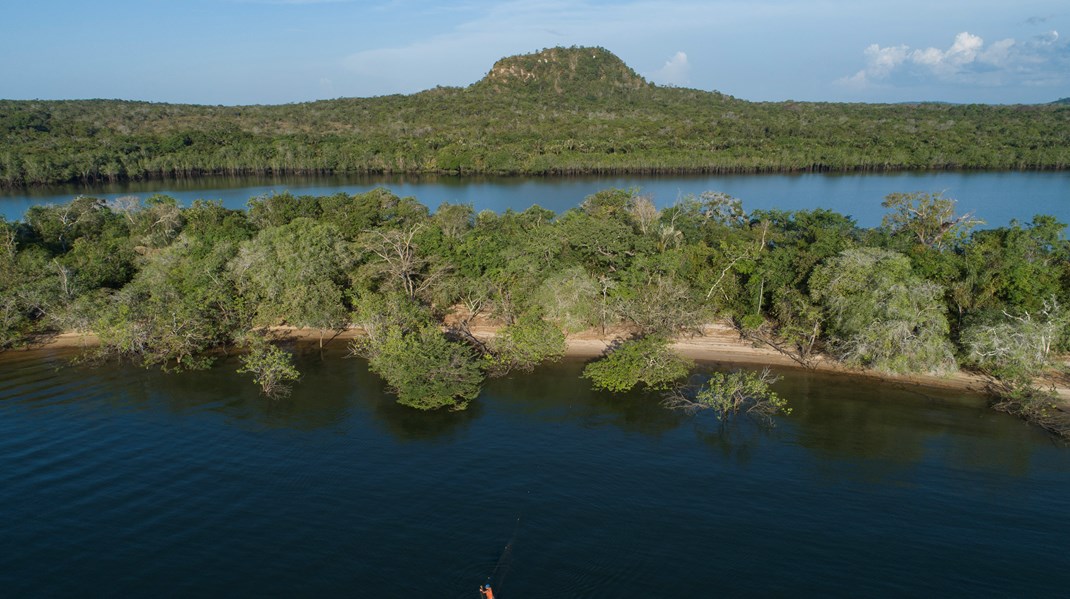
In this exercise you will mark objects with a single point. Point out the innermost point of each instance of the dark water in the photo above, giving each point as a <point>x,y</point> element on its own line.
<point>995,197</point>
<point>122,482</point>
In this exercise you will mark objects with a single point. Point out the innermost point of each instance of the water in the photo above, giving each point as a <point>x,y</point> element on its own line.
<point>119,481</point>
<point>996,197</point>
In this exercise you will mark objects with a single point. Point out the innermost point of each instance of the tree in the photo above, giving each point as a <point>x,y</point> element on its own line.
<point>397,259</point>
<point>277,209</point>
<point>656,303</point>
<point>523,345</point>
<point>570,298</point>
<point>295,274</point>
<point>880,315</point>
<point>1018,267</point>
<point>722,209</point>
<point>1016,348</point>
<point>648,361</point>
<point>153,223</point>
<point>180,305</point>
<point>729,394</point>
<point>58,226</point>
<point>271,367</point>
<point>795,330</point>
<point>424,369</point>
<point>643,213</point>
<point>929,218</point>
<point>454,219</point>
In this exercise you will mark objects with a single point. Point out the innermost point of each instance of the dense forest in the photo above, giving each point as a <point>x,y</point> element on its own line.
<point>563,110</point>
<point>172,286</point>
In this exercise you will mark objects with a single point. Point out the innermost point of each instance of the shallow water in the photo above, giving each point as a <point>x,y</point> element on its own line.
<point>120,481</point>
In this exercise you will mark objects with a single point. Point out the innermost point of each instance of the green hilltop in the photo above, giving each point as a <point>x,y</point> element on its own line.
<point>563,71</point>
<point>561,110</point>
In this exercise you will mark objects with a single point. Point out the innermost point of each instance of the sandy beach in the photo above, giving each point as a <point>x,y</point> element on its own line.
<point>715,342</point>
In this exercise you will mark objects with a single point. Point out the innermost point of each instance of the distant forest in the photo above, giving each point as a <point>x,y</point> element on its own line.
<point>559,111</point>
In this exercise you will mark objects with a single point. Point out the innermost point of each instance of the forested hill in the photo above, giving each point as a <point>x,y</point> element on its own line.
<point>563,110</point>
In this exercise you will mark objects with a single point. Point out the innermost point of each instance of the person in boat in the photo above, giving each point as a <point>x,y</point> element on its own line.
<point>486,592</point>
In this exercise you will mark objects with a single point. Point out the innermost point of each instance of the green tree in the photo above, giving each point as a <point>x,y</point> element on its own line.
<point>523,345</point>
<point>424,369</point>
<point>179,306</point>
<point>1016,348</point>
<point>394,257</point>
<point>648,361</point>
<point>295,274</point>
<point>928,218</point>
<point>569,298</point>
<point>729,394</point>
<point>880,315</point>
<point>272,367</point>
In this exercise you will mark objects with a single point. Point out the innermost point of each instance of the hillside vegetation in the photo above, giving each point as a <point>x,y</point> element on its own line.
<point>562,110</point>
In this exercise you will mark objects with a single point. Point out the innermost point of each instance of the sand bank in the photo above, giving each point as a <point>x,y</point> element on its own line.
<point>719,343</point>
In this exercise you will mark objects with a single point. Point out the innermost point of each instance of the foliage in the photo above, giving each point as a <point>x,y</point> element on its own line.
<point>658,305</point>
<point>424,369</point>
<point>647,360</point>
<point>395,258</point>
<point>180,305</point>
<point>295,274</point>
<point>569,298</point>
<point>1018,267</point>
<point>880,314</point>
<point>272,368</point>
<point>171,286</point>
<point>928,218</point>
<point>728,394</point>
<point>563,110</point>
<point>1016,348</point>
<point>523,345</point>
<point>379,313</point>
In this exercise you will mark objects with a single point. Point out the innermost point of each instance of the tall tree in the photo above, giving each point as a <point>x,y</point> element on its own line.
<point>880,315</point>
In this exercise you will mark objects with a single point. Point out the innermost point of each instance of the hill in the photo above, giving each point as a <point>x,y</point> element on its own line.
<point>561,110</point>
<point>561,71</point>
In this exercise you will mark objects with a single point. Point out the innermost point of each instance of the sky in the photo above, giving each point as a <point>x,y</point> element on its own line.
<point>279,51</point>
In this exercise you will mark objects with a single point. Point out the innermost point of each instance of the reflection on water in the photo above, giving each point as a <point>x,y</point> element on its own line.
<point>995,197</point>
<point>125,481</point>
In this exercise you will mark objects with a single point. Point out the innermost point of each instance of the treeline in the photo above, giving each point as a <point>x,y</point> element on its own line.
<point>166,285</point>
<point>561,111</point>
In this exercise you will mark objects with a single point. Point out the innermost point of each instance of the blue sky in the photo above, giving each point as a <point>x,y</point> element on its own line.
<point>276,51</point>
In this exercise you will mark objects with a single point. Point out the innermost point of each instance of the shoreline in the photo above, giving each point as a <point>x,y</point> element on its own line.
<point>717,343</point>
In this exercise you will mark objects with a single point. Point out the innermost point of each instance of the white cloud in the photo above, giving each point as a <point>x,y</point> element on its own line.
<point>968,60</point>
<point>964,51</point>
<point>883,60</point>
<point>677,71</point>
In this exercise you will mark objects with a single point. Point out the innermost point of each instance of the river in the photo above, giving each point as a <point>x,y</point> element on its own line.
<point>124,482</point>
<point>995,197</point>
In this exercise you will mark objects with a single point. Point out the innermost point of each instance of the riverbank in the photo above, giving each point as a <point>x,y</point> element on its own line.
<point>715,343</point>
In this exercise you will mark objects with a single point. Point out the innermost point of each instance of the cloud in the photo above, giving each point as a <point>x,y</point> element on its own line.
<point>968,60</point>
<point>676,71</point>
